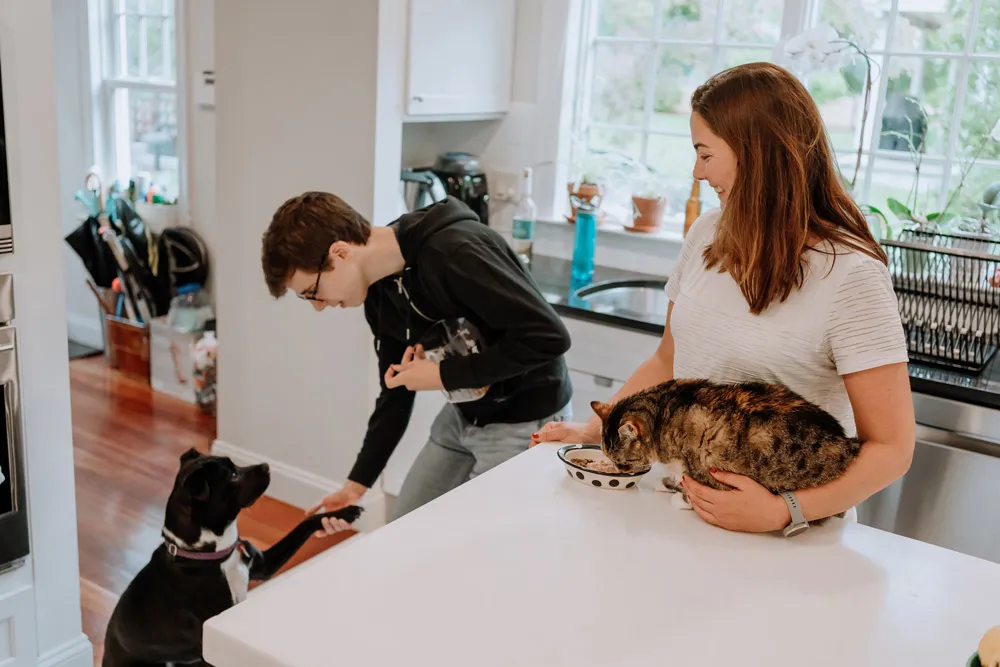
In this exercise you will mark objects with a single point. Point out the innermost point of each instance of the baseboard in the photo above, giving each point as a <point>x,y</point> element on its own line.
<point>85,330</point>
<point>76,653</point>
<point>301,488</point>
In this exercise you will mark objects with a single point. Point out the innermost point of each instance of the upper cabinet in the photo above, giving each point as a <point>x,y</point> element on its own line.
<point>460,59</point>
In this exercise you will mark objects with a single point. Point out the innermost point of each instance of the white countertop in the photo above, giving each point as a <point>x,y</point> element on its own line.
<point>524,566</point>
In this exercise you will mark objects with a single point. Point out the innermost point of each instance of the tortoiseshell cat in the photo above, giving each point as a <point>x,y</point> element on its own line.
<point>763,431</point>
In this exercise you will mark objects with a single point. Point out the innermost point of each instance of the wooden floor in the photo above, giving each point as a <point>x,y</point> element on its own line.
<point>127,440</point>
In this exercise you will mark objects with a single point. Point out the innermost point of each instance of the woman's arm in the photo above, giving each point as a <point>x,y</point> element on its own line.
<point>658,368</point>
<point>883,412</point>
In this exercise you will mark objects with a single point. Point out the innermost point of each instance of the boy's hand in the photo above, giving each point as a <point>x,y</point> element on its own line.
<point>415,372</point>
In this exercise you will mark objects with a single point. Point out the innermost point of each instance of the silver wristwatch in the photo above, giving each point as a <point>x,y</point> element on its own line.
<point>799,522</point>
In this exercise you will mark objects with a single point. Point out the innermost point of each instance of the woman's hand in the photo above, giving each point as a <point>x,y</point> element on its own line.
<point>350,494</point>
<point>748,508</point>
<point>575,433</point>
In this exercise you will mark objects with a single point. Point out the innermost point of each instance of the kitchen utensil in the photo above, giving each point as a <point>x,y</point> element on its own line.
<point>421,187</point>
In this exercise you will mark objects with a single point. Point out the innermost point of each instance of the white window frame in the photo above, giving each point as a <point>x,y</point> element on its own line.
<point>105,81</point>
<point>796,17</point>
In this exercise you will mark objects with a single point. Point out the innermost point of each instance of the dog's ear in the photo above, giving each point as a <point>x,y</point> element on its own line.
<point>196,484</point>
<point>190,455</point>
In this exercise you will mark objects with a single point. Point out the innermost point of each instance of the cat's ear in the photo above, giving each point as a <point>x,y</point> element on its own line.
<point>602,410</point>
<point>628,431</point>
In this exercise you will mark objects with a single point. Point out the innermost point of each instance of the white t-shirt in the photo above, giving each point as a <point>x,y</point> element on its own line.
<point>841,321</point>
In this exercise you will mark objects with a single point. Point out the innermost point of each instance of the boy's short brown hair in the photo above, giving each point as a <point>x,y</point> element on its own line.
<point>301,233</point>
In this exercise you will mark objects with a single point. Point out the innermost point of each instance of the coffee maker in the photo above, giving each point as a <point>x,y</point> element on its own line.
<point>463,179</point>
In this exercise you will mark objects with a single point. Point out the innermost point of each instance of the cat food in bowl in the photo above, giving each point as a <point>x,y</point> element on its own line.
<point>588,465</point>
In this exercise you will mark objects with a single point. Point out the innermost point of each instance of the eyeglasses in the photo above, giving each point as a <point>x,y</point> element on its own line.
<point>310,294</point>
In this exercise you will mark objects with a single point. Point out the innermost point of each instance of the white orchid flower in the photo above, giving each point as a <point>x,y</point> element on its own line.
<point>820,47</point>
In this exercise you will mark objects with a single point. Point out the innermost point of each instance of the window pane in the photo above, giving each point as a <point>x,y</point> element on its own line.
<point>681,70</point>
<point>920,98</point>
<point>733,57</point>
<point>673,157</point>
<point>688,19</point>
<point>625,18</point>
<point>132,6</point>
<point>896,177</point>
<point>149,132</point>
<point>867,21</point>
<point>982,181</point>
<point>615,141</point>
<point>752,21</point>
<point>154,7</point>
<point>840,96</point>
<point>171,72</point>
<point>131,46</point>
<point>154,47</point>
<point>988,33</point>
<point>168,7</point>
<point>932,25</point>
<point>619,92</point>
<point>981,110</point>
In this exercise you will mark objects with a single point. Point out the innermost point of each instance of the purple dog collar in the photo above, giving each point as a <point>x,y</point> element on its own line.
<point>177,552</point>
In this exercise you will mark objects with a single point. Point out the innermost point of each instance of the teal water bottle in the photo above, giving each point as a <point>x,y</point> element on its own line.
<point>584,244</point>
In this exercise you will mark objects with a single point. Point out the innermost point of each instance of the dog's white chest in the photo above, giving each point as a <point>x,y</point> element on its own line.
<point>237,576</point>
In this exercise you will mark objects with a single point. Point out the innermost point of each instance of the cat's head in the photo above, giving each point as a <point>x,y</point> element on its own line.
<point>623,435</point>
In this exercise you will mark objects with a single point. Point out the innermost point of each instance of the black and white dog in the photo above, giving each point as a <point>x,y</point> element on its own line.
<point>202,568</point>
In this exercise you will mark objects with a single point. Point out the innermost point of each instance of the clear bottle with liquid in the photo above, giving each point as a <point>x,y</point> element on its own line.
<point>524,222</point>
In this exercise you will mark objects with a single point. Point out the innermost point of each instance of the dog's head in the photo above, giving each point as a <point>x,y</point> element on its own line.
<point>209,493</point>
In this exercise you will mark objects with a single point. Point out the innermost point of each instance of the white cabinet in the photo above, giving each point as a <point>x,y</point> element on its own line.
<point>460,58</point>
<point>17,628</point>
<point>587,388</point>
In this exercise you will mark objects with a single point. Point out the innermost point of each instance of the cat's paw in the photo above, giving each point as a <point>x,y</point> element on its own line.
<point>680,501</point>
<point>670,485</point>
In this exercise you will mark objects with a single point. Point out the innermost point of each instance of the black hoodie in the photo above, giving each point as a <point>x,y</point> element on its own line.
<point>457,267</point>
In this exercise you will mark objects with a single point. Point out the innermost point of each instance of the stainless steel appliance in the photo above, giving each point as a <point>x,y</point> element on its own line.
<point>951,494</point>
<point>14,547</point>
<point>6,227</point>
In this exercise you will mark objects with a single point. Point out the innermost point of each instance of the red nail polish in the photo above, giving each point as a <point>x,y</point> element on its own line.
<point>713,470</point>
<point>534,435</point>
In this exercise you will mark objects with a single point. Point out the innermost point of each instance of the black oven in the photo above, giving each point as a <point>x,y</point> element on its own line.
<point>13,500</point>
<point>6,226</point>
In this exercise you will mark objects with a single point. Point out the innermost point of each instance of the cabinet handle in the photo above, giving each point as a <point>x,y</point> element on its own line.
<point>418,98</point>
<point>602,381</point>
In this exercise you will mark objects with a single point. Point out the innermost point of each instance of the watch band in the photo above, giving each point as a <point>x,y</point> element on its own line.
<point>799,522</point>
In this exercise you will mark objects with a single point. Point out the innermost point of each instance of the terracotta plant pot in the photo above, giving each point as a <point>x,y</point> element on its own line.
<point>586,191</point>
<point>647,213</point>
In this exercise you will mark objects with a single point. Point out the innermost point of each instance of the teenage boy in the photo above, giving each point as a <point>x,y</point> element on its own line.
<point>433,270</point>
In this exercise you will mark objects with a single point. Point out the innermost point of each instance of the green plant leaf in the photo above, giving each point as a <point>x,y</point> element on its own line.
<point>899,209</point>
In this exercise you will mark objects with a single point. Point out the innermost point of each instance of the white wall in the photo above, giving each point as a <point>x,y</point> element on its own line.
<point>296,109</point>
<point>48,587</point>
<point>70,21</point>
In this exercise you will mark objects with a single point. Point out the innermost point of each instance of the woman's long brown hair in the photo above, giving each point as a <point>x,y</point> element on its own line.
<point>787,192</point>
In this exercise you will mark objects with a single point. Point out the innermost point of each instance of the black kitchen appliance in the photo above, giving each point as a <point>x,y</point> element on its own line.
<point>6,228</point>
<point>464,179</point>
<point>14,547</point>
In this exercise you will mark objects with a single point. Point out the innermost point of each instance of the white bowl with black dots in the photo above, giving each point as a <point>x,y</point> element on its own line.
<point>574,458</point>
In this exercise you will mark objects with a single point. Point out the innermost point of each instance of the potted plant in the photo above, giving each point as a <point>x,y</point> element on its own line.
<point>649,201</point>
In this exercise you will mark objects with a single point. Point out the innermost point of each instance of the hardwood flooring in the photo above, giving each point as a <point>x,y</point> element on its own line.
<point>127,440</point>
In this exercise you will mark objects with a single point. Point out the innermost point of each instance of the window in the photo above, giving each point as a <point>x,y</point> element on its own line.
<point>138,94</point>
<point>936,67</point>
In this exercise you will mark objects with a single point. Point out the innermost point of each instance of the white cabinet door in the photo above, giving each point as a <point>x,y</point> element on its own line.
<point>587,388</point>
<point>425,408</point>
<point>460,57</point>
<point>17,629</point>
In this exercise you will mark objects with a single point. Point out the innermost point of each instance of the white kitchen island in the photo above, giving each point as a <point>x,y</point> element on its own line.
<point>525,567</point>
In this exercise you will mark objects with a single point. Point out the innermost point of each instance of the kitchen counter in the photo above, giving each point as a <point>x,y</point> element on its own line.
<point>525,566</point>
<point>553,277</point>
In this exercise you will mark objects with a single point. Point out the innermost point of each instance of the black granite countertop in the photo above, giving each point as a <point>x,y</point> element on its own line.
<point>554,278</point>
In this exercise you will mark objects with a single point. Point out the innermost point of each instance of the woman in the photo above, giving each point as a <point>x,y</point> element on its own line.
<point>784,284</point>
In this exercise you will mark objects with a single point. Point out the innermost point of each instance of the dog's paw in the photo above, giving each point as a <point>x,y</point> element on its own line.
<point>350,514</point>
<point>680,501</point>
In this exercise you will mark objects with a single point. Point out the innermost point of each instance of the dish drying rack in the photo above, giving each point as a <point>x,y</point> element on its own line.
<point>948,290</point>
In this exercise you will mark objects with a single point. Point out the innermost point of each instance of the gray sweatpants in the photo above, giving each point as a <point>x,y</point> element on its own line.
<point>457,451</point>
